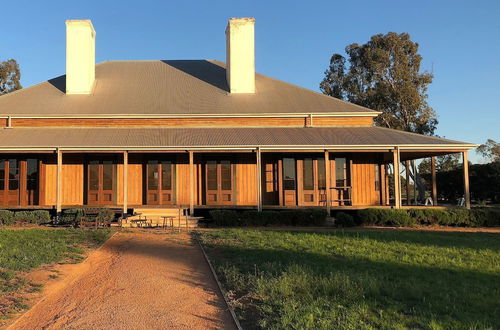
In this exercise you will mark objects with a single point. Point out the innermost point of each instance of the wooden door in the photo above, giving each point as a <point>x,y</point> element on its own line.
<point>29,184</point>
<point>289,182</point>
<point>160,182</point>
<point>219,182</point>
<point>101,182</point>
<point>313,181</point>
<point>270,193</point>
<point>9,182</point>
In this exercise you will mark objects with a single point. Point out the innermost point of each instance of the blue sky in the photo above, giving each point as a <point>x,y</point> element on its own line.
<point>459,41</point>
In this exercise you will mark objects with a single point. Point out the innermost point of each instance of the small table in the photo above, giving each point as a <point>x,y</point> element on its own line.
<point>168,221</point>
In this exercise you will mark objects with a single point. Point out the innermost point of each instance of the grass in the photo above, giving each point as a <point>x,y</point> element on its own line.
<point>359,279</point>
<point>25,249</point>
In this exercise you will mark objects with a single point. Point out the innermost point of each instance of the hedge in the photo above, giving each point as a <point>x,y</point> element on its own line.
<point>305,217</point>
<point>344,220</point>
<point>73,216</point>
<point>6,217</point>
<point>35,217</point>
<point>480,217</point>
<point>70,216</point>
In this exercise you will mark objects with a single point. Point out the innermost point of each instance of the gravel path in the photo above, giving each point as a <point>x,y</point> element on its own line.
<point>137,280</point>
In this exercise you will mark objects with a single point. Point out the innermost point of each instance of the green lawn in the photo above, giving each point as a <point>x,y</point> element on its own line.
<point>359,279</point>
<point>25,249</point>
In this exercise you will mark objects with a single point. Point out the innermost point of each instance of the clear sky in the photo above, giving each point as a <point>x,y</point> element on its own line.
<point>459,41</point>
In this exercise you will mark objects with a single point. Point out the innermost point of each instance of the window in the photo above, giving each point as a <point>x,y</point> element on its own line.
<point>166,175</point>
<point>2,174</point>
<point>94,175</point>
<point>308,174</point>
<point>32,174</point>
<point>13,174</point>
<point>288,173</point>
<point>377,177</point>
<point>340,172</point>
<point>107,175</point>
<point>225,173</point>
<point>321,174</point>
<point>211,175</point>
<point>153,175</point>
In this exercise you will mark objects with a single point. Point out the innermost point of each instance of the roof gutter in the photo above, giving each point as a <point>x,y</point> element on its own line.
<point>458,147</point>
<point>215,115</point>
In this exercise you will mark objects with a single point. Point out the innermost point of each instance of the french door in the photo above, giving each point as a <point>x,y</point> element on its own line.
<point>160,186</point>
<point>101,182</point>
<point>19,181</point>
<point>219,182</point>
<point>303,181</point>
<point>313,181</point>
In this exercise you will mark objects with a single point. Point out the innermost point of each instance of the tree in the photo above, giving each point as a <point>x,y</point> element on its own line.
<point>10,76</point>
<point>490,150</point>
<point>384,74</point>
<point>443,163</point>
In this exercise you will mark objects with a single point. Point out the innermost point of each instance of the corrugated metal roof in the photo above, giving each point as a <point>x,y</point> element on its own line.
<point>215,137</point>
<point>166,88</point>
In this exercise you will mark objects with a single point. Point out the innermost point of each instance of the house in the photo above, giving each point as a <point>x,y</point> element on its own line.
<point>196,133</point>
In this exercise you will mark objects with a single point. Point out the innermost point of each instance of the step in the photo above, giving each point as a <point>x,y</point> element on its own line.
<point>172,211</point>
<point>192,222</point>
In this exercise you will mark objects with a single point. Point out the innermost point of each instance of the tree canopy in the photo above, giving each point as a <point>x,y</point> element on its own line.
<point>10,76</point>
<point>490,150</point>
<point>384,74</point>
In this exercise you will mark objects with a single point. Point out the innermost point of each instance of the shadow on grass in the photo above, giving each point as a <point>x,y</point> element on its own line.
<point>419,294</point>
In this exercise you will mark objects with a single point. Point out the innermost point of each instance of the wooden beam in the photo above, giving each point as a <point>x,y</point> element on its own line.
<point>125,182</point>
<point>434,187</point>
<point>382,183</point>
<point>327,179</point>
<point>59,182</point>
<point>191,182</point>
<point>397,182</point>
<point>466,179</point>
<point>407,172</point>
<point>259,180</point>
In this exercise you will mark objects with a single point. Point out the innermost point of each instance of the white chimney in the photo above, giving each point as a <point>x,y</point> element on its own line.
<point>80,56</point>
<point>240,55</point>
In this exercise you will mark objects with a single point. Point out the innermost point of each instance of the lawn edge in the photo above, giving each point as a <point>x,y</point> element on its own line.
<point>219,285</point>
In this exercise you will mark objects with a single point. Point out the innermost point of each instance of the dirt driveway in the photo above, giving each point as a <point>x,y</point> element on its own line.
<point>137,280</point>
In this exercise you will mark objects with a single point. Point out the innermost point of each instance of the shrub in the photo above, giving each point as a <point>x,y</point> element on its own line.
<point>225,218</point>
<point>35,217</point>
<point>70,216</point>
<point>486,217</point>
<point>430,216</point>
<point>344,220</point>
<point>105,215</point>
<point>385,217</point>
<point>456,217</point>
<point>6,217</point>
<point>40,216</point>
<point>306,217</point>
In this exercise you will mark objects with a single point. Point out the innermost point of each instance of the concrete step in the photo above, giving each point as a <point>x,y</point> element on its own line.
<point>190,222</point>
<point>162,211</point>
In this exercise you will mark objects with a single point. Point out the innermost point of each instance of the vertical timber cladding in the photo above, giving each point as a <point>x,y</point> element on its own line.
<point>363,179</point>
<point>245,169</point>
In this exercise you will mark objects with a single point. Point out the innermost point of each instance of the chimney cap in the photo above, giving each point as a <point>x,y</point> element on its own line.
<point>86,22</point>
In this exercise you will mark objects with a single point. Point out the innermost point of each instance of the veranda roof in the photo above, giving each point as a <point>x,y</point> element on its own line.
<point>221,138</point>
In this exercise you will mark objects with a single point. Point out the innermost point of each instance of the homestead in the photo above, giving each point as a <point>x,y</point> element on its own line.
<point>198,134</point>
